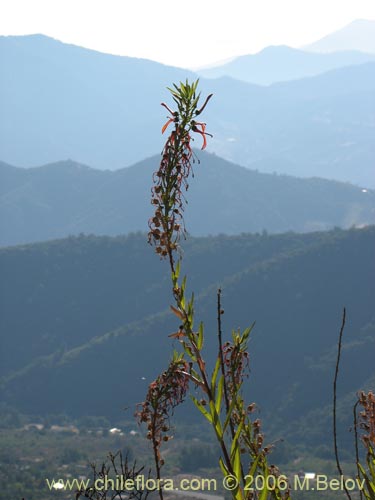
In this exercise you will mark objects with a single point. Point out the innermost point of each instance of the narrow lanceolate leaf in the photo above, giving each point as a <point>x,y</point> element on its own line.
<point>195,374</point>
<point>182,302</point>
<point>177,356</point>
<point>214,376</point>
<point>191,307</point>
<point>200,336</point>
<point>183,285</point>
<point>253,468</point>
<point>202,409</point>
<point>370,485</point>
<point>219,396</point>
<point>229,414</point>
<point>189,352</point>
<point>371,463</point>
<point>235,439</point>
<point>264,493</point>
<point>215,419</point>
<point>223,467</point>
<point>195,102</point>
<point>237,464</point>
<point>246,333</point>
<point>177,270</point>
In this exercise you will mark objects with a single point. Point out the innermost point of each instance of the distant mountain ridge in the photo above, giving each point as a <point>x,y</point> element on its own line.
<point>68,198</point>
<point>358,35</point>
<point>61,101</point>
<point>281,63</point>
<point>77,98</point>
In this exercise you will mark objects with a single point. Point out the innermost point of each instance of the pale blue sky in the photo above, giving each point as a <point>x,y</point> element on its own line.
<point>188,33</point>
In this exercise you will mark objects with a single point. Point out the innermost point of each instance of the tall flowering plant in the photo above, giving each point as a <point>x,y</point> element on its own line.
<point>171,178</point>
<point>367,426</point>
<point>243,454</point>
<point>364,426</point>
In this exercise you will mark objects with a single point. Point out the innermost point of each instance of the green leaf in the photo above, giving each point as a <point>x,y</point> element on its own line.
<point>214,376</point>
<point>371,463</point>
<point>216,420</point>
<point>264,493</point>
<point>189,352</point>
<point>219,396</point>
<point>177,356</point>
<point>177,269</point>
<point>223,467</point>
<point>230,411</point>
<point>191,304</point>
<point>370,486</point>
<point>237,464</point>
<point>195,102</point>
<point>182,301</point>
<point>183,285</point>
<point>253,467</point>
<point>246,333</point>
<point>200,336</point>
<point>195,374</point>
<point>202,409</point>
<point>235,439</point>
<point>190,311</point>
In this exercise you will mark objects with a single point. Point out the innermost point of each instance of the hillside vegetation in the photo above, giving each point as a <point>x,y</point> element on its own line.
<point>91,305</point>
<point>67,198</point>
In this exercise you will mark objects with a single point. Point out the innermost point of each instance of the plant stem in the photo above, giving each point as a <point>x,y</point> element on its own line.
<point>335,402</point>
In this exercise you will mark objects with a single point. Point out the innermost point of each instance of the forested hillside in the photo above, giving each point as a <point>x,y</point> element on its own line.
<point>67,198</point>
<point>95,312</point>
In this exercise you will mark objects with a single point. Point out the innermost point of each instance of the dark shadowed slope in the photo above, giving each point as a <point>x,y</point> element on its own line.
<point>293,286</point>
<point>67,198</point>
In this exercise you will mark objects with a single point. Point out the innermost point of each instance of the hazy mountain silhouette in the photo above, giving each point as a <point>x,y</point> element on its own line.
<point>282,63</point>
<point>67,198</point>
<point>64,100</point>
<point>358,35</point>
<point>61,101</point>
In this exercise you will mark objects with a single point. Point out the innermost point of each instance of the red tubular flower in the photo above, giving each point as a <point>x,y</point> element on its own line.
<point>199,111</point>
<point>178,335</point>
<point>168,108</point>
<point>200,128</point>
<point>165,126</point>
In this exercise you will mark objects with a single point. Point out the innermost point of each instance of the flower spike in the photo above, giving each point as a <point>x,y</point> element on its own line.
<point>176,164</point>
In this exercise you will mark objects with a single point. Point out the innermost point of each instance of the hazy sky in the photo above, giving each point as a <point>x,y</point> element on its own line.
<point>188,33</point>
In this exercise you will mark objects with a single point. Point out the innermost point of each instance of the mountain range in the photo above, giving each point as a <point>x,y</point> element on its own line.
<point>67,198</point>
<point>60,101</point>
<point>358,35</point>
<point>95,321</point>
<point>281,63</point>
<point>85,317</point>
